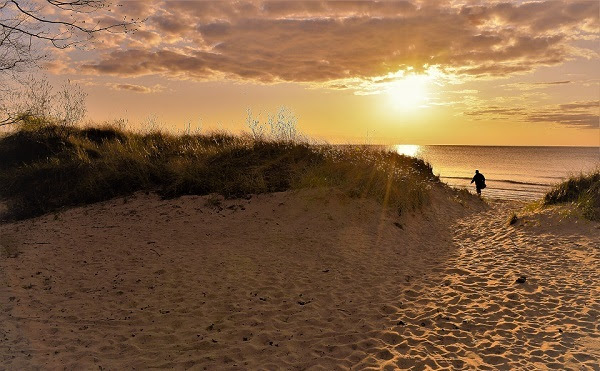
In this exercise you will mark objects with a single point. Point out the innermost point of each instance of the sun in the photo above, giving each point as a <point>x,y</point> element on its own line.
<point>411,150</point>
<point>409,92</point>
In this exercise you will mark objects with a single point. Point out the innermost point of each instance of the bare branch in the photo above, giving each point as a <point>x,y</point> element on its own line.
<point>25,29</point>
<point>65,23</point>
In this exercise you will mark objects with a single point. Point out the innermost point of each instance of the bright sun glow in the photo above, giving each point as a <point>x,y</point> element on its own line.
<point>409,92</point>
<point>408,149</point>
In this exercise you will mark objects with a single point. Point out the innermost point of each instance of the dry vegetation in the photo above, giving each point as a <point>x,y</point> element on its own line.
<point>582,190</point>
<point>47,167</point>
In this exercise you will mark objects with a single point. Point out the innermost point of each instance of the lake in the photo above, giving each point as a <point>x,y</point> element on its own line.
<point>518,173</point>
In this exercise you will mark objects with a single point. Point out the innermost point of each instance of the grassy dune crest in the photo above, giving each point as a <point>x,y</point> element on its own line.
<point>583,191</point>
<point>46,167</point>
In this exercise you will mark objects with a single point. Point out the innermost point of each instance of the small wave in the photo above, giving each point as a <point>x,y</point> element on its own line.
<point>511,194</point>
<point>489,189</point>
<point>500,180</point>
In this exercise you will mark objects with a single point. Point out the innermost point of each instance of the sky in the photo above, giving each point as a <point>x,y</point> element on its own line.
<point>393,72</point>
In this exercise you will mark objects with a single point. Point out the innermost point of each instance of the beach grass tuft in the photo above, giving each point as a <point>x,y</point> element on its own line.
<point>46,168</point>
<point>582,190</point>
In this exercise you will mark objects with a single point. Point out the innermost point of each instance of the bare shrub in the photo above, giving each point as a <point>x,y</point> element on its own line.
<point>281,126</point>
<point>34,100</point>
<point>284,125</point>
<point>257,129</point>
<point>70,104</point>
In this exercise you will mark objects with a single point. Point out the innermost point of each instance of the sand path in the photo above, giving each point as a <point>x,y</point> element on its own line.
<point>473,313</point>
<point>295,282</point>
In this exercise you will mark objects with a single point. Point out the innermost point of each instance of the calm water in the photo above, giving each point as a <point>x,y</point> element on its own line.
<point>523,173</point>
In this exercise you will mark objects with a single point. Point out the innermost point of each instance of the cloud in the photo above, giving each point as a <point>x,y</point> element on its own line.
<point>136,9</point>
<point>553,82</point>
<point>147,38</point>
<point>57,66</point>
<point>317,41</point>
<point>492,110</point>
<point>584,114</point>
<point>535,85</point>
<point>581,105</point>
<point>136,88</point>
<point>577,119</point>
<point>119,86</point>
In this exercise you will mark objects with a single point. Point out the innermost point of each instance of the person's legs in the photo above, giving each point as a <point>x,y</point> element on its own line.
<point>479,191</point>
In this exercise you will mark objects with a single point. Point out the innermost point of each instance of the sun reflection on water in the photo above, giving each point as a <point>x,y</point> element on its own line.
<point>408,149</point>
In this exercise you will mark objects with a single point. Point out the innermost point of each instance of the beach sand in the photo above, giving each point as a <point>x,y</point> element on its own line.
<point>297,280</point>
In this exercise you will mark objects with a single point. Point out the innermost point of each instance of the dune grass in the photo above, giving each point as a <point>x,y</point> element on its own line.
<point>582,190</point>
<point>45,168</point>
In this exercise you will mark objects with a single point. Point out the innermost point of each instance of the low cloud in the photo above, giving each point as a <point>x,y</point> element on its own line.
<point>592,104</point>
<point>585,114</point>
<point>523,86</point>
<point>496,111</point>
<point>136,88</point>
<point>575,119</point>
<point>553,83</point>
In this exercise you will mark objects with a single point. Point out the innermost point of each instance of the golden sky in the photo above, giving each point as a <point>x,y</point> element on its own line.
<point>413,72</point>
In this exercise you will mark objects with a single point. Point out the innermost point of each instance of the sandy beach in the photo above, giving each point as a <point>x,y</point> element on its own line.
<point>299,185</point>
<point>296,280</point>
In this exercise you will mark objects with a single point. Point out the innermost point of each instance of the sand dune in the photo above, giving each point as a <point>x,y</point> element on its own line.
<point>295,280</point>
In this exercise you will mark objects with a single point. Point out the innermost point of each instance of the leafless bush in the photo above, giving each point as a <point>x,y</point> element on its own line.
<point>281,126</point>
<point>284,125</point>
<point>70,104</point>
<point>257,129</point>
<point>34,100</point>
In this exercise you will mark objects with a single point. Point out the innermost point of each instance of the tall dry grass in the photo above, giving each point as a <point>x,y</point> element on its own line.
<point>582,190</point>
<point>46,167</point>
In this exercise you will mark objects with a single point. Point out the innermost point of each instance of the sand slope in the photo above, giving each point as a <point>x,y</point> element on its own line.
<point>295,280</point>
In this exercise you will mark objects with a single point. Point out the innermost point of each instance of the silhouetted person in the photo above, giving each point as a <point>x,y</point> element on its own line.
<point>479,180</point>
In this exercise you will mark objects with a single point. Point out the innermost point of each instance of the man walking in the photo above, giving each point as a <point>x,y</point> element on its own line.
<point>479,180</point>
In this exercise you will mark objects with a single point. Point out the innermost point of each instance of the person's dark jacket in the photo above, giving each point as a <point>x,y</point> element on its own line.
<point>479,180</point>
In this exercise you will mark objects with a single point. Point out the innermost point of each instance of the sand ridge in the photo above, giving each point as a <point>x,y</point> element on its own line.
<point>296,280</point>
